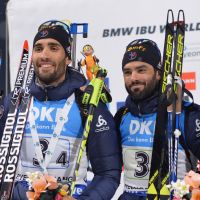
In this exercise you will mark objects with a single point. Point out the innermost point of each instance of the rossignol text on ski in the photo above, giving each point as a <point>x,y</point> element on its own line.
<point>15,128</point>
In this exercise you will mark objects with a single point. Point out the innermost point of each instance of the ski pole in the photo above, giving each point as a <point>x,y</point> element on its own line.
<point>170,96</point>
<point>74,31</point>
<point>96,86</point>
<point>177,131</point>
<point>177,71</point>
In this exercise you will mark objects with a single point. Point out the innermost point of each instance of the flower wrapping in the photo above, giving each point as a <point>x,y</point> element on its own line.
<point>43,186</point>
<point>188,188</point>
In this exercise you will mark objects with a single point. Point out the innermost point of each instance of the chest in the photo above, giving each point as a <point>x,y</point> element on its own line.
<point>137,130</point>
<point>47,115</point>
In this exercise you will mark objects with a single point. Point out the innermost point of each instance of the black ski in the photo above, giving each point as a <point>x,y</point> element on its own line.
<point>174,110</point>
<point>9,147</point>
<point>159,145</point>
<point>13,157</point>
<point>10,121</point>
<point>163,157</point>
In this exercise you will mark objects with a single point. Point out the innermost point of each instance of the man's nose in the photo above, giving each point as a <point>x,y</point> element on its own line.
<point>134,75</point>
<point>45,53</point>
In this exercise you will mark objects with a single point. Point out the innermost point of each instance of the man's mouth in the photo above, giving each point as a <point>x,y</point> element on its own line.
<point>46,65</point>
<point>137,86</point>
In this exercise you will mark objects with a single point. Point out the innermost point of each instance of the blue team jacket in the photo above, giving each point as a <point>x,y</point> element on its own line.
<point>137,129</point>
<point>103,147</point>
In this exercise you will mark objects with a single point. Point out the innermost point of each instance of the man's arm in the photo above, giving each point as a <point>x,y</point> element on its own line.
<point>192,129</point>
<point>103,148</point>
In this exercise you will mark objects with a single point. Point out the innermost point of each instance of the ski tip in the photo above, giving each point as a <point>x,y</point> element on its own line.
<point>26,44</point>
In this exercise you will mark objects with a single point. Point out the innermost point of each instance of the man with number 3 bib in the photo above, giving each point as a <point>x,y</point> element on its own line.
<point>141,67</point>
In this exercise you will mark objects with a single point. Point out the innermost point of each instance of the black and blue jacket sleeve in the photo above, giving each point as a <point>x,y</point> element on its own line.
<point>103,148</point>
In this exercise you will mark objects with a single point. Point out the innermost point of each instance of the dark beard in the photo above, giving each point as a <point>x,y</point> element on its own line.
<point>147,92</point>
<point>46,79</point>
<point>49,78</point>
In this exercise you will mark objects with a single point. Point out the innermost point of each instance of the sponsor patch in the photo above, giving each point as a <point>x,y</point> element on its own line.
<point>189,79</point>
<point>101,124</point>
<point>197,129</point>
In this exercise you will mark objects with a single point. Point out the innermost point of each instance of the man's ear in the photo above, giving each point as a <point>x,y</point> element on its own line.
<point>67,61</point>
<point>158,74</point>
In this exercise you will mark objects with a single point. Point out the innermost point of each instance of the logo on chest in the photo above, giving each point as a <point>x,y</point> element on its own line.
<point>142,128</point>
<point>47,114</point>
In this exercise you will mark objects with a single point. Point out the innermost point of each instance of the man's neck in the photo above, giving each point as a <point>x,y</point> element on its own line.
<point>54,84</point>
<point>43,85</point>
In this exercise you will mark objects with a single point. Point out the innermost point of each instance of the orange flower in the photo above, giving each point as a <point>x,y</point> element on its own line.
<point>39,185</point>
<point>30,195</point>
<point>192,179</point>
<point>52,182</point>
<point>195,194</point>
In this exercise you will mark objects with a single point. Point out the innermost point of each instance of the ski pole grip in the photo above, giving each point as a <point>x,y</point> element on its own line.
<point>102,73</point>
<point>98,86</point>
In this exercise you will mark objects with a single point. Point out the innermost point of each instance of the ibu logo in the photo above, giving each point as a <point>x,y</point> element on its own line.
<point>144,127</point>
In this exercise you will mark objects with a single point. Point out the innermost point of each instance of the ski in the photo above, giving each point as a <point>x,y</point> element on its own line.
<point>15,130</point>
<point>13,157</point>
<point>164,155</point>
<point>174,90</point>
<point>175,108</point>
<point>159,145</point>
<point>12,112</point>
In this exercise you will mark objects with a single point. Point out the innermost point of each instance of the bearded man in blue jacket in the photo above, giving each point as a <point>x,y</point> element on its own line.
<point>141,67</point>
<point>53,91</point>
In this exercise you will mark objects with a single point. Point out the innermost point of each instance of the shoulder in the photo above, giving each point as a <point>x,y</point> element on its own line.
<point>192,109</point>
<point>120,113</point>
<point>188,102</point>
<point>103,110</point>
<point>6,100</point>
<point>4,105</point>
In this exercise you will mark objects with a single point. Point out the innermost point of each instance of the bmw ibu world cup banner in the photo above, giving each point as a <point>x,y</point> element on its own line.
<point>112,24</point>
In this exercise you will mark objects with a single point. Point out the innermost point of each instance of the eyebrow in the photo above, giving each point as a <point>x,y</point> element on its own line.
<point>137,67</point>
<point>141,66</point>
<point>49,44</point>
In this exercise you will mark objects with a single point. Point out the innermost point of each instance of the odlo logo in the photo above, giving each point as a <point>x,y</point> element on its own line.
<point>101,124</point>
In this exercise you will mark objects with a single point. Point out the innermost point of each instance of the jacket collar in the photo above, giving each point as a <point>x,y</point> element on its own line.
<point>74,80</point>
<point>146,106</point>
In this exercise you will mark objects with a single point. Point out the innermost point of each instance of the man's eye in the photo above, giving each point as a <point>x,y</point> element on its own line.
<point>54,48</point>
<point>37,49</point>
<point>127,72</point>
<point>141,70</point>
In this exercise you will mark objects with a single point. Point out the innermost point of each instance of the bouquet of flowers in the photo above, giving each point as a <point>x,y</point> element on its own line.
<point>188,189</point>
<point>45,187</point>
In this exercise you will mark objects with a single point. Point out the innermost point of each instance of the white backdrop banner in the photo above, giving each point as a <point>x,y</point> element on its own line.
<point>112,25</point>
